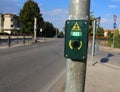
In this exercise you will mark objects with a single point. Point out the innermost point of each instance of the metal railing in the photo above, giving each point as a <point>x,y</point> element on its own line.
<point>9,40</point>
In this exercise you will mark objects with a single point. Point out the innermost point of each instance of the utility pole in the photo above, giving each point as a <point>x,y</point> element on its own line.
<point>76,68</point>
<point>35,27</point>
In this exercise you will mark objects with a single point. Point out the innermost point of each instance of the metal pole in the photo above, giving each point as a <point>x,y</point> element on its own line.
<point>9,40</point>
<point>113,38</point>
<point>23,39</point>
<point>56,32</point>
<point>76,71</point>
<point>35,23</point>
<point>93,41</point>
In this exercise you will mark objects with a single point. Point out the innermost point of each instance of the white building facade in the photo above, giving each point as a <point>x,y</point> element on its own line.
<point>9,23</point>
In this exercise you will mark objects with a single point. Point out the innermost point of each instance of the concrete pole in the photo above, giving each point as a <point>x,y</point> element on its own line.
<point>76,71</point>
<point>35,27</point>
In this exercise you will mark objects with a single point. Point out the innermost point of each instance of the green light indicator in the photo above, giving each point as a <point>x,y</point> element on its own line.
<point>73,33</point>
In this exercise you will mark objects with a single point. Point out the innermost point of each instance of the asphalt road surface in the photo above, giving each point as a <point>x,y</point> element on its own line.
<point>31,68</point>
<point>37,67</point>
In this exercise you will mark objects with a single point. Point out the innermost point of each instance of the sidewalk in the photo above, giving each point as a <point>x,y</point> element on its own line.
<point>102,78</point>
<point>99,78</point>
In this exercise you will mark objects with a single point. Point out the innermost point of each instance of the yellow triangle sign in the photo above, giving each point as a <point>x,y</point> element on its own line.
<point>76,27</point>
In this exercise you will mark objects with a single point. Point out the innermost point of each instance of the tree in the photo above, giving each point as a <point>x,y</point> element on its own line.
<point>116,35</point>
<point>110,35</point>
<point>117,38</point>
<point>49,30</point>
<point>29,11</point>
<point>91,26</point>
<point>60,35</point>
<point>100,32</point>
<point>110,38</point>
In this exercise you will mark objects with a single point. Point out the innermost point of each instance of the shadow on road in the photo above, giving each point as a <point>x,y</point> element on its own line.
<point>106,59</point>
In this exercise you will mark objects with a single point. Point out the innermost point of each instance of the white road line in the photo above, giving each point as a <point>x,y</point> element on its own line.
<point>53,82</point>
<point>114,66</point>
<point>110,65</point>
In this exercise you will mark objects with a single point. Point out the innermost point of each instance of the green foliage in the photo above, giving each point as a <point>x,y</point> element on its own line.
<point>110,35</point>
<point>100,32</point>
<point>60,35</point>
<point>49,30</point>
<point>116,33</point>
<point>90,26</point>
<point>29,11</point>
<point>116,39</point>
<point>110,38</point>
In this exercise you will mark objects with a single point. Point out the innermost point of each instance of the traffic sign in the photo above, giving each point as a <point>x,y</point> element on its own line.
<point>114,25</point>
<point>76,27</point>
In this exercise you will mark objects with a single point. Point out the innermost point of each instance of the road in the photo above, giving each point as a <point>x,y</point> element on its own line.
<point>31,68</point>
<point>35,68</point>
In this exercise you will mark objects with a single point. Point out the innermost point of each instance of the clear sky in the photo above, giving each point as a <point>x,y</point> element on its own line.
<point>56,11</point>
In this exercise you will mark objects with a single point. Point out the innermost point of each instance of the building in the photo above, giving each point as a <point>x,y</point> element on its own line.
<point>1,22</point>
<point>9,23</point>
<point>119,28</point>
<point>105,33</point>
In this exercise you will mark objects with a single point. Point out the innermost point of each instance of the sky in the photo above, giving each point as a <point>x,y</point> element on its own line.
<point>57,11</point>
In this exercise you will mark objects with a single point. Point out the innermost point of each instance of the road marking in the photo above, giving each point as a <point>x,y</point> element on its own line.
<point>114,66</point>
<point>110,65</point>
<point>53,82</point>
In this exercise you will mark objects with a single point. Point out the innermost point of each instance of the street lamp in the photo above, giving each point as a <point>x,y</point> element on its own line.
<point>98,22</point>
<point>95,49</point>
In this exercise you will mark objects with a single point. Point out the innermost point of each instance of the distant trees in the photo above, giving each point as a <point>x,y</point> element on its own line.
<point>60,35</point>
<point>90,33</point>
<point>100,31</point>
<point>49,30</point>
<point>27,14</point>
<point>116,35</point>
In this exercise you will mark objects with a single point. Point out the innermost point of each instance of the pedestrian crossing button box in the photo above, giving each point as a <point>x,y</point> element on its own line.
<point>76,39</point>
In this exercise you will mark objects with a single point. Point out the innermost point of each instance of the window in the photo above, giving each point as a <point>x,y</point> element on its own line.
<point>11,25</point>
<point>11,19</point>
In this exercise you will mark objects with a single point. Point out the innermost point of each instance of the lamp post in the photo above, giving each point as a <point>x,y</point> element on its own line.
<point>96,24</point>
<point>40,33</point>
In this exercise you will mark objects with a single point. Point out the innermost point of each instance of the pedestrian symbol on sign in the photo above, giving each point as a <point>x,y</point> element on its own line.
<point>76,27</point>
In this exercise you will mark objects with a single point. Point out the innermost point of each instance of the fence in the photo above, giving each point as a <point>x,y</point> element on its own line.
<point>9,40</point>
